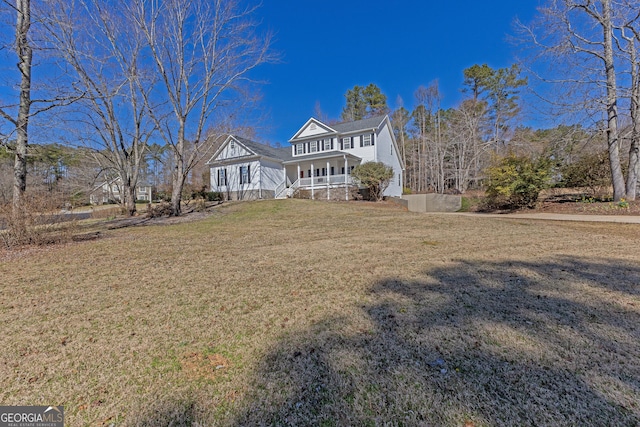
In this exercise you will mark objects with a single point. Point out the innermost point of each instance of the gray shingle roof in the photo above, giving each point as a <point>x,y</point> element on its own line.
<point>321,155</point>
<point>283,153</point>
<point>364,124</point>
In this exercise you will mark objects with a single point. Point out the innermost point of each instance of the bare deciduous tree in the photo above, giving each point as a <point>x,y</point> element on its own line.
<point>580,36</point>
<point>203,52</point>
<point>18,114</point>
<point>101,44</point>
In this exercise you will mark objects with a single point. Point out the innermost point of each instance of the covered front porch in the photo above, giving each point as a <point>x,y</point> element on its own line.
<point>327,175</point>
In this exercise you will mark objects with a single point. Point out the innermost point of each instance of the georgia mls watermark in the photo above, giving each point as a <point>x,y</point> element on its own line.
<point>31,416</point>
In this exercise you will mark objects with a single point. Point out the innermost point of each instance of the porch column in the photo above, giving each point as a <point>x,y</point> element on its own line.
<point>328,177</point>
<point>298,176</point>
<point>346,182</point>
<point>313,172</point>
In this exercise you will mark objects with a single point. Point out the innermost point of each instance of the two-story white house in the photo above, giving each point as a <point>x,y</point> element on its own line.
<point>319,161</point>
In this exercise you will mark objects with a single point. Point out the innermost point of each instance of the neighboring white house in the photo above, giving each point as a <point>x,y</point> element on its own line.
<point>319,161</point>
<point>109,191</point>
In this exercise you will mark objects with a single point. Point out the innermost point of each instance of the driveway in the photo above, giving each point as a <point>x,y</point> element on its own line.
<point>623,219</point>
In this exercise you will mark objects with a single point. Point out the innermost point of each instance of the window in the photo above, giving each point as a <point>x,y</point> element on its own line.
<point>232,145</point>
<point>313,146</point>
<point>366,140</point>
<point>346,143</point>
<point>299,149</point>
<point>327,144</point>
<point>245,176</point>
<point>324,172</point>
<point>222,177</point>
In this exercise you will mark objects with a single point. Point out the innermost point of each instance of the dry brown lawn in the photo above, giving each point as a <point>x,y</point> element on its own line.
<point>311,313</point>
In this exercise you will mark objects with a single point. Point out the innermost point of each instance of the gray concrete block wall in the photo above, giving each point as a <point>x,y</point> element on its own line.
<point>433,202</point>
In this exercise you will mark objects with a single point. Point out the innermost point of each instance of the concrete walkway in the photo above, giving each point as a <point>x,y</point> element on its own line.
<point>623,219</point>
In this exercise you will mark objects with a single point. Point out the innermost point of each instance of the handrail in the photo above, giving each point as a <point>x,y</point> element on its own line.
<point>279,189</point>
<point>293,187</point>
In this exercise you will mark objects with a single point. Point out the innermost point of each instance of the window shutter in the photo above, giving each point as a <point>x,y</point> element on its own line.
<point>372,139</point>
<point>361,140</point>
<point>248,174</point>
<point>225,177</point>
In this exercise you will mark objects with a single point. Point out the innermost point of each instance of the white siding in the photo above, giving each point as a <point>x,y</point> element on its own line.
<point>265,176</point>
<point>386,152</point>
<point>231,153</point>
<point>367,154</point>
<point>312,129</point>
<point>271,174</point>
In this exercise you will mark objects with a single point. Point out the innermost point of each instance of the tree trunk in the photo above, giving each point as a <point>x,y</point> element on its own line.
<point>617,179</point>
<point>178,176</point>
<point>634,148</point>
<point>23,49</point>
<point>129,199</point>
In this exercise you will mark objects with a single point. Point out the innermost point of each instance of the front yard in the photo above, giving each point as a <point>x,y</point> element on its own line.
<point>295,312</point>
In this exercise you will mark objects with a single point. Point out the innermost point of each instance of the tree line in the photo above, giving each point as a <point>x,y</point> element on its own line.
<point>580,61</point>
<point>119,75</point>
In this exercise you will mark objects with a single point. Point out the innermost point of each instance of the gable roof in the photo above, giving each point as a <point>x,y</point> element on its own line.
<point>315,123</point>
<point>358,125</point>
<point>341,128</point>
<point>256,148</point>
<point>282,153</point>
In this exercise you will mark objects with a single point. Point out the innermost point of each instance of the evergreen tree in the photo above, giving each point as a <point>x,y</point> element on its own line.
<point>363,102</point>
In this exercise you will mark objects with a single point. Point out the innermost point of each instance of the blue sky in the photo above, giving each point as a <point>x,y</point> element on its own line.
<point>329,46</point>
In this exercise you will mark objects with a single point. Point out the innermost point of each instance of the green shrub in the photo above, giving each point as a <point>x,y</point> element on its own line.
<point>375,176</point>
<point>516,181</point>
<point>214,196</point>
<point>591,171</point>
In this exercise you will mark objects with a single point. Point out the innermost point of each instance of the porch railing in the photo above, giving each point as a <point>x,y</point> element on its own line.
<point>292,188</point>
<point>320,181</point>
<point>280,189</point>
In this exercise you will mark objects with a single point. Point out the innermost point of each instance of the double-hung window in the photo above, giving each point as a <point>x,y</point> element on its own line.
<point>346,143</point>
<point>366,140</point>
<point>222,177</point>
<point>313,146</point>
<point>299,149</point>
<point>327,144</point>
<point>245,176</point>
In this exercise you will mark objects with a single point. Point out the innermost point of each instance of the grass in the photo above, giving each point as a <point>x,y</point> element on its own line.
<point>296,312</point>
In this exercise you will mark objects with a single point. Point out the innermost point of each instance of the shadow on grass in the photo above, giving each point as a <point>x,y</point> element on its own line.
<point>478,343</point>
<point>509,343</point>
